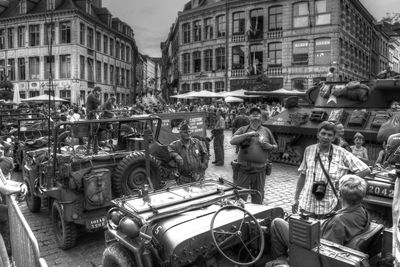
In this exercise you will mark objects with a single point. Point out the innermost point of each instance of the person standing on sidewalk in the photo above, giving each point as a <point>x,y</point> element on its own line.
<point>255,142</point>
<point>93,103</point>
<point>218,137</point>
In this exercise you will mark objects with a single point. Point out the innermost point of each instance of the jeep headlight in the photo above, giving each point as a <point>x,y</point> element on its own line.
<point>129,227</point>
<point>114,216</point>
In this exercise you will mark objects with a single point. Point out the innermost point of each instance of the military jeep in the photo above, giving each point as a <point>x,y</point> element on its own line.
<point>87,165</point>
<point>207,223</point>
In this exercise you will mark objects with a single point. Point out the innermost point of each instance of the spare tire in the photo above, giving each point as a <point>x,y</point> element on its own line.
<point>130,174</point>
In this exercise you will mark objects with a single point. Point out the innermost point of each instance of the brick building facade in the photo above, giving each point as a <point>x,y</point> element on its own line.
<point>88,48</point>
<point>229,45</point>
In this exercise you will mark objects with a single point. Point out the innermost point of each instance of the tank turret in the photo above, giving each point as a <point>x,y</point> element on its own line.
<point>360,106</point>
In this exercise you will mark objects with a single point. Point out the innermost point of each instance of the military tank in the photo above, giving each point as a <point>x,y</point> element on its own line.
<point>360,106</point>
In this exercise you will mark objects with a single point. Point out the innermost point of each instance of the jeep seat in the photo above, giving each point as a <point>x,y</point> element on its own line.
<point>368,241</point>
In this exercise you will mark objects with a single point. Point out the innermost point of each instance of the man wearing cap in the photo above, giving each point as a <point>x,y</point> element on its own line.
<point>93,103</point>
<point>255,143</point>
<point>190,155</point>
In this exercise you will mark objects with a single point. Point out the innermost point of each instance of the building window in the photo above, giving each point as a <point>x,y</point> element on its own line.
<point>2,39</point>
<point>238,23</point>
<point>105,44</point>
<point>66,94</point>
<point>111,74</point>
<point>34,35</point>
<point>220,58</point>
<point>256,59</point>
<point>22,6</point>
<point>301,15</point>
<point>90,38</point>
<point>208,29</point>
<point>111,47</point>
<point>221,26</point>
<point>197,31</point>
<point>33,93</point>
<point>98,41</point>
<point>11,69</point>
<point>128,78</point>
<point>82,34</point>
<point>90,69</point>
<point>299,84</point>
<point>122,83</point>
<point>117,50</point>
<point>300,52</point>
<point>21,36</point>
<point>82,67</point>
<point>185,88</point>
<point>237,57</point>
<point>105,71</point>
<point>256,27</point>
<point>275,54</point>
<point>10,37</point>
<point>186,63</point>
<point>207,86</point>
<point>196,87</point>
<point>117,77</point>
<point>49,31</point>
<point>65,32</point>
<point>21,69</point>
<point>275,18</point>
<point>65,66</point>
<point>322,51</point>
<point>208,62</point>
<point>196,61</point>
<point>186,33</point>
<point>98,71</point>
<point>50,4</point>
<point>34,68</point>
<point>48,63</point>
<point>123,52</point>
<point>322,17</point>
<point>128,54</point>
<point>219,86</point>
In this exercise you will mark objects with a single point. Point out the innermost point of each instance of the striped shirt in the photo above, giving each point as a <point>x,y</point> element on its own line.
<point>342,162</point>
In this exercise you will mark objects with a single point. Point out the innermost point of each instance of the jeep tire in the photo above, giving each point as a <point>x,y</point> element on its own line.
<point>130,174</point>
<point>117,255</point>
<point>65,232</point>
<point>33,202</point>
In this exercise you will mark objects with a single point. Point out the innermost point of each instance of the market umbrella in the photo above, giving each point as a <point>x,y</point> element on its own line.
<point>232,99</point>
<point>204,93</point>
<point>16,97</point>
<point>184,96</point>
<point>44,98</point>
<point>237,93</point>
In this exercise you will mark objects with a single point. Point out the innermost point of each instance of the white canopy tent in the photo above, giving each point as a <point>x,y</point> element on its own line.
<point>44,98</point>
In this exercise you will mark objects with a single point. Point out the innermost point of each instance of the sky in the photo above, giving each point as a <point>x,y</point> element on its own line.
<point>152,19</point>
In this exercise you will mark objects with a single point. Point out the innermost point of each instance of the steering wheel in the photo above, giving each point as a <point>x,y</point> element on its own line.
<point>235,234</point>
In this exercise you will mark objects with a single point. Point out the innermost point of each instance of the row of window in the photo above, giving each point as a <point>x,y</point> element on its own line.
<point>255,57</point>
<point>103,43</point>
<point>23,69</point>
<point>104,72</point>
<point>20,69</point>
<point>253,25</point>
<point>16,37</point>
<point>219,86</point>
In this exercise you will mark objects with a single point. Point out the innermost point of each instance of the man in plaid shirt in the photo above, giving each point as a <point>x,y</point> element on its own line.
<point>337,162</point>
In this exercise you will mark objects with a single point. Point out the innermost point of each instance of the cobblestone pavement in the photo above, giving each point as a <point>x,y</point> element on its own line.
<point>90,246</point>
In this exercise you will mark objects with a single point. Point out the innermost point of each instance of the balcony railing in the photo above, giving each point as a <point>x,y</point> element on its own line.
<point>274,71</point>
<point>239,73</point>
<point>238,38</point>
<point>274,35</point>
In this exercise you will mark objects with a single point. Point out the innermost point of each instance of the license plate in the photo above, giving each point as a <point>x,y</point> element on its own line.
<point>380,191</point>
<point>96,223</point>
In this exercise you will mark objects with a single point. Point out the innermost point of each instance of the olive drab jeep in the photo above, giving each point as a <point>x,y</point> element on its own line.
<point>87,165</point>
